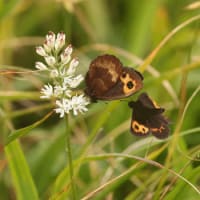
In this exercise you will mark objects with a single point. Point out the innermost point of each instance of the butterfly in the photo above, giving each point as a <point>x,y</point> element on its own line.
<point>147,118</point>
<point>108,79</point>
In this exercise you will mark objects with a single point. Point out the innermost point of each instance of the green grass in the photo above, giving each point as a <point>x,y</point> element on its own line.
<point>159,38</point>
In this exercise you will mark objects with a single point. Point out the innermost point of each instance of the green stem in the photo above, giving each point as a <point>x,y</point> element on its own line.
<point>69,158</point>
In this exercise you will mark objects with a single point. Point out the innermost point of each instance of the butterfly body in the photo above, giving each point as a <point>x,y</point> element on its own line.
<point>147,118</point>
<point>108,79</point>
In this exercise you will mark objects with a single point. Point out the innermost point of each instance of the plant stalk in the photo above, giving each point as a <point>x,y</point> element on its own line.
<point>69,158</point>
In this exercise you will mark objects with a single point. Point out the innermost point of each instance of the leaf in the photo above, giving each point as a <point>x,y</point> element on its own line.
<point>22,179</point>
<point>23,131</point>
<point>19,95</point>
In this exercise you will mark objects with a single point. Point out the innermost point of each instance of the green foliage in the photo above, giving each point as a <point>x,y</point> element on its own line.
<point>22,179</point>
<point>108,162</point>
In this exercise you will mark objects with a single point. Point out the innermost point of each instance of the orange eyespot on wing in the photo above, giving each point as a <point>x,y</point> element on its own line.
<point>108,79</point>
<point>139,129</point>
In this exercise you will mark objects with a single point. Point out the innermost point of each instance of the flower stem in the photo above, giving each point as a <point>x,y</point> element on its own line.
<point>69,158</point>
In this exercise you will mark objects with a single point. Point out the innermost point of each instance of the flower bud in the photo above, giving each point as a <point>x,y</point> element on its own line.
<point>40,66</point>
<point>47,92</point>
<point>73,82</point>
<point>50,60</point>
<point>50,40</point>
<point>72,67</point>
<point>54,73</point>
<point>66,55</point>
<point>41,51</point>
<point>60,41</point>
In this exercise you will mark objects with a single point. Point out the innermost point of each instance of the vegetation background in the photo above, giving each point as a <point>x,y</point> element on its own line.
<point>109,162</point>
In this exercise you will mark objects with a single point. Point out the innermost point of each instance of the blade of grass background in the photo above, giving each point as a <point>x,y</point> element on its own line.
<point>153,54</point>
<point>60,183</point>
<point>52,154</point>
<point>39,32</point>
<point>175,140</point>
<point>23,131</point>
<point>146,184</point>
<point>191,176</point>
<point>21,176</point>
<point>140,17</point>
<point>128,173</point>
<point>19,95</point>
<point>92,21</point>
<point>121,177</point>
<point>7,7</point>
<point>186,192</point>
<point>140,145</point>
<point>26,111</point>
<point>170,74</point>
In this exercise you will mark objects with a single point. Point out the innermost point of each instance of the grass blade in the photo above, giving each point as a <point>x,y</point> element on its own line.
<point>23,131</point>
<point>22,179</point>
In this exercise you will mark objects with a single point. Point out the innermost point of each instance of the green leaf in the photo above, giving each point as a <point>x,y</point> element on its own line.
<point>21,176</point>
<point>23,131</point>
<point>19,95</point>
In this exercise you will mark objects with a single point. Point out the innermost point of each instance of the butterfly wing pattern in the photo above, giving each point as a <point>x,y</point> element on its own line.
<point>147,118</point>
<point>108,79</point>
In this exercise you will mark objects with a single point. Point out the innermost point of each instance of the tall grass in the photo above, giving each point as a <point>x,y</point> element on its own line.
<point>159,38</point>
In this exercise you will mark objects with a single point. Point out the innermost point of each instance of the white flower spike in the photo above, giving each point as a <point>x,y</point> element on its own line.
<point>61,67</point>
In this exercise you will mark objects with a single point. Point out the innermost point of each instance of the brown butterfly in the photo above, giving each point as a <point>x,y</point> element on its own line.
<point>108,79</point>
<point>147,118</point>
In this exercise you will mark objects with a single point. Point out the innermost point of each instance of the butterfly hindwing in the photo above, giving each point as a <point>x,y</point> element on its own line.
<point>147,118</point>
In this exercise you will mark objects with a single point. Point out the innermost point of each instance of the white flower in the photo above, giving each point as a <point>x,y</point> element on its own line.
<point>63,72</point>
<point>50,60</point>
<point>72,67</point>
<point>60,41</point>
<point>40,66</point>
<point>66,55</point>
<point>68,93</point>
<point>61,67</point>
<point>73,82</point>
<point>50,41</point>
<point>63,106</point>
<point>41,51</point>
<point>58,90</point>
<point>47,92</point>
<point>62,90</point>
<point>47,48</point>
<point>78,104</point>
<point>54,73</point>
